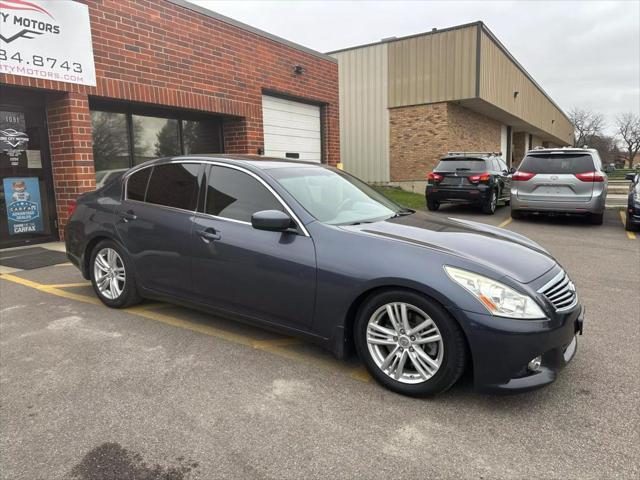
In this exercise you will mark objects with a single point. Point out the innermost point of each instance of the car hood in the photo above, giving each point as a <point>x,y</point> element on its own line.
<point>505,252</point>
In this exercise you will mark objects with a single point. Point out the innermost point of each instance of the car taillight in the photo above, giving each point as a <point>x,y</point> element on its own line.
<point>71,207</point>
<point>483,177</point>
<point>435,177</point>
<point>590,177</point>
<point>522,176</point>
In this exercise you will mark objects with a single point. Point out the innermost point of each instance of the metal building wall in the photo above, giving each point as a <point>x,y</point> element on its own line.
<point>433,67</point>
<point>500,77</point>
<point>364,117</point>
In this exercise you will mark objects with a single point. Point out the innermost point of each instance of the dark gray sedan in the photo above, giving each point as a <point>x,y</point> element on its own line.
<point>312,251</point>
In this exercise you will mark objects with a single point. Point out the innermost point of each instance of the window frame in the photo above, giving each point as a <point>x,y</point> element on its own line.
<point>300,228</point>
<point>203,175</point>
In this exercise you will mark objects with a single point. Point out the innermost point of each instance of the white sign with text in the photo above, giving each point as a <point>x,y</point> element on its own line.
<point>47,39</point>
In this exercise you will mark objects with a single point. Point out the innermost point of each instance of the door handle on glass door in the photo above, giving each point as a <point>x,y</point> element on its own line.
<point>209,234</point>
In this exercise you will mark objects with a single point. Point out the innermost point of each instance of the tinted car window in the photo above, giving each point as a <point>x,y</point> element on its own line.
<point>137,184</point>
<point>557,163</point>
<point>236,195</point>
<point>451,165</point>
<point>174,185</point>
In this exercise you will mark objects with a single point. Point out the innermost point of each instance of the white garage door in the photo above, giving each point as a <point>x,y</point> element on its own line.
<point>291,129</point>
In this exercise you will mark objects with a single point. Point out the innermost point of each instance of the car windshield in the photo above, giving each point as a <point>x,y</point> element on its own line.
<point>456,164</point>
<point>558,164</point>
<point>335,198</point>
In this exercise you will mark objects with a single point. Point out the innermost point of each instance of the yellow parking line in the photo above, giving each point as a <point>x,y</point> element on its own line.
<point>631,235</point>
<point>275,346</point>
<point>506,222</point>
<point>68,285</point>
<point>66,264</point>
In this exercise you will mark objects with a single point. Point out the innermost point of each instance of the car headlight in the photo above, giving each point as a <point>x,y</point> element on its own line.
<point>496,297</point>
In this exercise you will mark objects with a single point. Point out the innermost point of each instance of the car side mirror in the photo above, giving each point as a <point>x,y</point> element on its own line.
<point>512,170</point>
<point>630,176</point>
<point>272,220</point>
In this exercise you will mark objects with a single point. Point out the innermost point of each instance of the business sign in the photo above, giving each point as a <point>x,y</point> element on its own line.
<point>49,39</point>
<point>24,208</point>
<point>13,136</point>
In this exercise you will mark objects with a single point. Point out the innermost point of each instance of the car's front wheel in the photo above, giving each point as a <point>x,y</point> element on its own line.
<point>112,275</point>
<point>409,343</point>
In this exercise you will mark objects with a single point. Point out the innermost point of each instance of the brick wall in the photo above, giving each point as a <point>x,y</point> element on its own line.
<point>420,135</point>
<point>70,147</point>
<point>156,52</point>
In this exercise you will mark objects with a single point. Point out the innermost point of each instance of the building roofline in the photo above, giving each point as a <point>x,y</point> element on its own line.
<point>217,16</point>
<point>482,27</point>
<point>406,37</point>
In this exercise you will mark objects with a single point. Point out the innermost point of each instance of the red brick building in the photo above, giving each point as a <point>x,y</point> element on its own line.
<point>170,78</point>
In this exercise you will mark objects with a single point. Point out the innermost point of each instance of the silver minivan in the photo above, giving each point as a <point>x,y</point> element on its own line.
<point>560,180</point>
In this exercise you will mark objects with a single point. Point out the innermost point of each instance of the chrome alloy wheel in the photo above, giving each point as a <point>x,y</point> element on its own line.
<point>404,343</point>
<point>109,273</point>
<point>494,201</point>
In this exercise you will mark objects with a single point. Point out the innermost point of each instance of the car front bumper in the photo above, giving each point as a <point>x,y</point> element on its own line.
<point>501,349</point>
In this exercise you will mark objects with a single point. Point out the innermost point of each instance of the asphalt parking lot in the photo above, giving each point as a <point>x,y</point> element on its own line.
<point>163,392</point>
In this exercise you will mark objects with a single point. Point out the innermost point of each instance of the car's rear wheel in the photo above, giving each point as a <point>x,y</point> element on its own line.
<point>596,218</point>
<point>432,205</point>
<point>112,275</point>
<point>516,214</point>
<point>409,343</point>
<point>490,204</point>
<point>628,226</point>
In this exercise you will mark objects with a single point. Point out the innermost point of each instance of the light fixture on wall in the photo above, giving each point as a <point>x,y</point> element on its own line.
<point>298,69</point>
<point>515,94</point>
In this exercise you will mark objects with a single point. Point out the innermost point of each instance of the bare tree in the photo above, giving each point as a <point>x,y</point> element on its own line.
<point>629,130</point>
<point>586,124</point>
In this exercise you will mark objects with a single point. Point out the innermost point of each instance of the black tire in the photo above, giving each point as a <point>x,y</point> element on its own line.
<point>432,205</point>
<point>628,226</point>
<point>517,214</point>
<point>596,219</point>
<point>129,295</point>
<point>454,354</point>
<point>490,204</point>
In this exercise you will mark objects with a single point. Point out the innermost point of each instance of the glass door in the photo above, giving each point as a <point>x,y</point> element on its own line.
<point>27,204</point>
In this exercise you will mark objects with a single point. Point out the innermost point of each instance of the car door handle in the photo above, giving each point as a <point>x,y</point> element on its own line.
<point>209,235</point>
<point>128,215</point>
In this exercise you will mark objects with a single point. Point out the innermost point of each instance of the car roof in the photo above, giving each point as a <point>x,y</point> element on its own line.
<point>560,150</point>
<point>257,161</point>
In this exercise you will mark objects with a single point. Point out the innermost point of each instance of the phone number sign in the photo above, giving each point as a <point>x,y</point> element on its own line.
<point>49,39</point>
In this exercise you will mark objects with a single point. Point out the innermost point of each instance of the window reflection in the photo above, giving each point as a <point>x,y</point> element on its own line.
<point>154,137</point>
<point>201,136</point>
<point>110,143</point>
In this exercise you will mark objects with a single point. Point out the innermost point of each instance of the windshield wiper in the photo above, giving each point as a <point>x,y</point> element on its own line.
<point>403,213</point>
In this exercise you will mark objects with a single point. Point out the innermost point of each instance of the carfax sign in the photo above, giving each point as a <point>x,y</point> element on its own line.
<point>24,208</point>
<point>49,39</point>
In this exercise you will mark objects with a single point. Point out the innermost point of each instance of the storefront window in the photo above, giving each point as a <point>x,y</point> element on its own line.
<point>154,137</point>
<point>110,143</point>
<point>122,139</point>
<point>201,136</point>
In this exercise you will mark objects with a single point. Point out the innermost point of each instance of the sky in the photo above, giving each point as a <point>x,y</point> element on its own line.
<point>584,54</point>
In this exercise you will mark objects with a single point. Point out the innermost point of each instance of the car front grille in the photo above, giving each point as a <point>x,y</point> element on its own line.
<point>561,292</point>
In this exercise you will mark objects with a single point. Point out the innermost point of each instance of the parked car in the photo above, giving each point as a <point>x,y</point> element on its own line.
<point>633,205</point>
<point>560,181</point>
<point>481,179</point>
<point>310,250</point>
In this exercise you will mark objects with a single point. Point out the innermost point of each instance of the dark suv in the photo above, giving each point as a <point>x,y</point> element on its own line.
<point>633,205</point>
<point>478,178</point>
